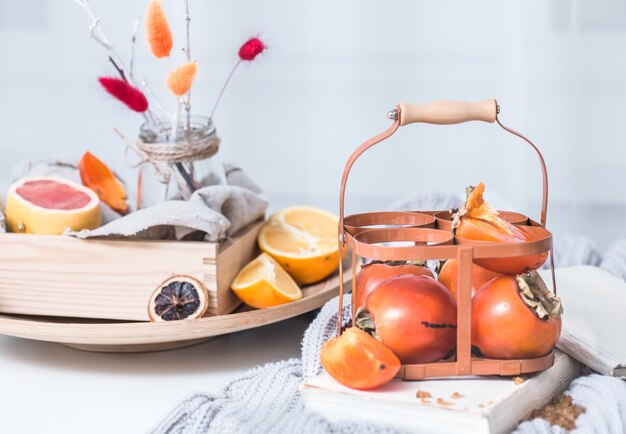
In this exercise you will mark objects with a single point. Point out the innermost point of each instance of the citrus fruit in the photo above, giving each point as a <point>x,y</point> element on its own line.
<point>49,205</point>
<point>178,297</point>
<point>302,239</point>
<point>264,283</point>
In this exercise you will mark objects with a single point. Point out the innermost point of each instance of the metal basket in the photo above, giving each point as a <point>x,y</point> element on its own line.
<point>430,237</point>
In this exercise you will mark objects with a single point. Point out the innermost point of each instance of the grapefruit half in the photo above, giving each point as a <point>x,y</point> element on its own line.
<point>49,205</point>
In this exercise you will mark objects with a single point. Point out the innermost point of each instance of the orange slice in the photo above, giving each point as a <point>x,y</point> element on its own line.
<point>302,239</point>
<point>264,283</point>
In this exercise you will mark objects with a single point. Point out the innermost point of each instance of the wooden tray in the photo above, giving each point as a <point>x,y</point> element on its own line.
<point>52,275</point>
<point>123,337</point>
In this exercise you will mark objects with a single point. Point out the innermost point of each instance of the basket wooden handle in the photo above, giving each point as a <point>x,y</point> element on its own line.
<point>448,112</point>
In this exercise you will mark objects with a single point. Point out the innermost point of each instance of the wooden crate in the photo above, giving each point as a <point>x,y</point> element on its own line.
<point>113,279</point>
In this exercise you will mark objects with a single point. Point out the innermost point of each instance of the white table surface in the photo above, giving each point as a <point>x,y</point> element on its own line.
<point>48,388</point>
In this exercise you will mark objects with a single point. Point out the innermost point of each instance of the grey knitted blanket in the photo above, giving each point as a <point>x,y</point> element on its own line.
<point>267,399</point>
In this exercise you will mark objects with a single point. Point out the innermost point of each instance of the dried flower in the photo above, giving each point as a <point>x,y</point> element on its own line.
<point>251,48</point>
<point>247,53</point>
<point>132,97</point>
<point>97,176</point>
<point>180,79</point>
<point>158,30</point>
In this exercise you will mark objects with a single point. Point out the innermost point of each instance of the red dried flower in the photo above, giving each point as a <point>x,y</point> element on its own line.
<point>132,97</point>
<point>251,48</point>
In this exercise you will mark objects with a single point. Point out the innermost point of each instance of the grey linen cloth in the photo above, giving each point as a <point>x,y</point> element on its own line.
<point>213,212</point>
<point>267,400</point>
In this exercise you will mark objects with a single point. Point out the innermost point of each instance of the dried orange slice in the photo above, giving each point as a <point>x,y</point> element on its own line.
<point>302,239</point>
<point>264,283</point>
<point>177,298</point>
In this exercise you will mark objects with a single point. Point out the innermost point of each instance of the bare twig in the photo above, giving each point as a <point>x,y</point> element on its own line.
<point>188,53</point>
<point>131,57</point>
<point>157,102</point>
<point>175,120</point>
<point>99,36</point>
<point>224,88</point>
<point>120,71</point>
<point>96,32</point>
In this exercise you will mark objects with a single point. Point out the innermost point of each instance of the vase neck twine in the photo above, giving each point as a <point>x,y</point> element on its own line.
<point>162,156</point>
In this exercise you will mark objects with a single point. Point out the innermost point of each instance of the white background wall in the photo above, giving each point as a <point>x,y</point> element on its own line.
<point>334,68</point>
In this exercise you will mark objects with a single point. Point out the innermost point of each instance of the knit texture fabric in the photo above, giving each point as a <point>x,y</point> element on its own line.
<point>604,401</point>
<point>267,399</point>
<point>614,260</point>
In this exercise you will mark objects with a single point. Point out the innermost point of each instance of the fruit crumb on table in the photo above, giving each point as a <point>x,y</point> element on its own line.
<point>519,380</point>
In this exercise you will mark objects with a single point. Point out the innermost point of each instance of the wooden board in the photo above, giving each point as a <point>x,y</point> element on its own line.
<point>113,279</point>
<point>113,336</point>
<point>488,405</point>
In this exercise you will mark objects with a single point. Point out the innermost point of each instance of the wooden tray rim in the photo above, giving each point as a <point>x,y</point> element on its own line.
<point>141,333</point>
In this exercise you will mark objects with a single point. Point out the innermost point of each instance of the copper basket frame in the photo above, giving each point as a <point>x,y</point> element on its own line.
<point>463,363</point>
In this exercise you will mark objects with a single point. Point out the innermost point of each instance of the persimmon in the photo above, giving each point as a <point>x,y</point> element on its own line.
<point>449,275</point>
<point>357,360</point>
<point>477,221</point>
<point>515,317</point>
<point>415,316</point>
<point>372,274</point>
<point>97,176</point>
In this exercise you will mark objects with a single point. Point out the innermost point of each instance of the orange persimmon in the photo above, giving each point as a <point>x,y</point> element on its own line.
<point>477,221</point>
<point>515,318</point>
<point>415,316</point>
<point>357,360</point>
<point>97,176</point>
<point>372,274</point>
<point>449,276</point>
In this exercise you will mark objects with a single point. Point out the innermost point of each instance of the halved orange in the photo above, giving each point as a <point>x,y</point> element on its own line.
<point>303,239</point>
<point>264,283</point>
